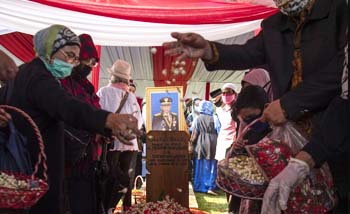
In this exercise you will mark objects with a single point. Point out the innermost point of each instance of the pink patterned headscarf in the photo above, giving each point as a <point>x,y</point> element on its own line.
<point>259,77</point>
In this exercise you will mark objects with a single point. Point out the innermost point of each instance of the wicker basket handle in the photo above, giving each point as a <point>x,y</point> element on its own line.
<point>140,177</point>
<point>246,128</point>
<point>41,156</point>
<point>241,133</point>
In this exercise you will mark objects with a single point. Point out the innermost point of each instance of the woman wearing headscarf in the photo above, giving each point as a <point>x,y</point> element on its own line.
<point>81,146</point>
<point>194,113</point>
<point>227,132</point>
<point>259,77</point>
<point>254,77</point>
<point>203,141</point>
<point>38,92</point>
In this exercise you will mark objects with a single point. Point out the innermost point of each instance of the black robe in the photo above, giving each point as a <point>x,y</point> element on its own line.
<point>38,93</point>
<point>323,40</point>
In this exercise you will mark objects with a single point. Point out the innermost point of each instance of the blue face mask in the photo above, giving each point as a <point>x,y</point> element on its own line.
<point>257,132</point>
<point>197,109</point>
<point>59,68</point>
<point>250,118</point>
<point>258,126</point>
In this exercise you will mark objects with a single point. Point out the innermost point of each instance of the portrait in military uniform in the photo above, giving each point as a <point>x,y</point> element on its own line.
<point>165,120</point>
<point>164,109</point>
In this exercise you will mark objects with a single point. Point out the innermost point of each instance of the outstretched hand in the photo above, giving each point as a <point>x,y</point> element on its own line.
<point>123,126</point>
<point>188,45</point>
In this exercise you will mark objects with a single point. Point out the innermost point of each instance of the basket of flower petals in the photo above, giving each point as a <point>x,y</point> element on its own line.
<point>241,176</point>
<point>167,206</point>
<point>19,190</point>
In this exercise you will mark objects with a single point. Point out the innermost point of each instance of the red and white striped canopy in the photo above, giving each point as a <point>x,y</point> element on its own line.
<point>126,29</point>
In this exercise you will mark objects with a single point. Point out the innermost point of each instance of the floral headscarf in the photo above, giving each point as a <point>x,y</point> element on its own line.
<point>49,40</point>
<point>206,107</point>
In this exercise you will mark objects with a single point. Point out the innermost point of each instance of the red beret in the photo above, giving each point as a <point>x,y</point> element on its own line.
<point>87,47</point>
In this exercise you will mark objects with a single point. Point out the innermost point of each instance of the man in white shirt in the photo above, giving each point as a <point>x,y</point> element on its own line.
<point>121,157</point>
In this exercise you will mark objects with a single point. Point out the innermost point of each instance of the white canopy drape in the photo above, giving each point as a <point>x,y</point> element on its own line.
<point>29,17</point>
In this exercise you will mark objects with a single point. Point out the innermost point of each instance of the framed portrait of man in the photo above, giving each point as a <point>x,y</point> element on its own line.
<point>164,109</point>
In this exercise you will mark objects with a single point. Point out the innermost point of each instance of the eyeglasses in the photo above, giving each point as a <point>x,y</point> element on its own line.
<point>71,57</point>
<point>227,93</point>
<point>90,62</point>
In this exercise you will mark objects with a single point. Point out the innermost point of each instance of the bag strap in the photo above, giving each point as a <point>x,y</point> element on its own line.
<point>241,133</point>
<point>104,145</point>
<point>122,103</point>
<point>246,129</point>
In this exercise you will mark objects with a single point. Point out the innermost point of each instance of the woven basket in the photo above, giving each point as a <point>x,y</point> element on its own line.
<point>231,182</point>
<point>33,188</point>
<point>271,155</point>
<point>313,195</point>
<point>139,194</point>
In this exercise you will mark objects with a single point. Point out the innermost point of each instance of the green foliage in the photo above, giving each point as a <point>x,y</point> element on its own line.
<point>211,203</point>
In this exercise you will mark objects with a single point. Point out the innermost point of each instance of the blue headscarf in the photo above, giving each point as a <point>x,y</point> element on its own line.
<point>206,107</point>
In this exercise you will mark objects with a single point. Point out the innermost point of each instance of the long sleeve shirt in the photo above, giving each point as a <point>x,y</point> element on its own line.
<point>110,98</point>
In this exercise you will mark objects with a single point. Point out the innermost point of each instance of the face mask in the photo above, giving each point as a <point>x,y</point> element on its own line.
<point>256,132</point>
<point>196,109</point>
<point>227,99</point>
<point>59,68</point>
<point>250,118</point>
<point>293,7</point>
<point>260,126</point>
<point>81,72</point>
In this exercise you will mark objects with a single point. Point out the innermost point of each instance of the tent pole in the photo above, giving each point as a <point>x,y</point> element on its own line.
<point>207,90</point>
<point>96,71</point>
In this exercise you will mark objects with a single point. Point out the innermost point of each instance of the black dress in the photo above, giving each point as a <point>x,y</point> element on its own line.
<point>40,95</point>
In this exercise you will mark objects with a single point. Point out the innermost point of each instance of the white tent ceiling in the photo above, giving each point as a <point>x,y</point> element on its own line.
<point>29,17</point>
<point>129,40</point>
<point>142,68</point>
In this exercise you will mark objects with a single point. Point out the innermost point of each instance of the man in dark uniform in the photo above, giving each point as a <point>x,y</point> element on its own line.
<point>165,120</point>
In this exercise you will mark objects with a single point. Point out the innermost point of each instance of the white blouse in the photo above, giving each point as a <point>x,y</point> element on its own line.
<point>110,98</point>
<point>227,132</point>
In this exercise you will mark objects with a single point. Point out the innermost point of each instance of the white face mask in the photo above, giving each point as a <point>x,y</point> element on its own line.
<point>292,7</point>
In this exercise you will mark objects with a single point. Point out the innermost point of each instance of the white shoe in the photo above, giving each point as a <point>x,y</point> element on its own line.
<point>211,192</point>
<point>124,190</point>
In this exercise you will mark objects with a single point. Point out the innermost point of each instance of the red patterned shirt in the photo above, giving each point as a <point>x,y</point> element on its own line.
<point>82,89</point>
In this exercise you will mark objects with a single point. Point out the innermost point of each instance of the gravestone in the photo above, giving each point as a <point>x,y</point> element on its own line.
<point>167,165</point>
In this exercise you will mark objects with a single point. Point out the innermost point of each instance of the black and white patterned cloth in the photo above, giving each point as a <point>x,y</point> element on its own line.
<point>345,78</point>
